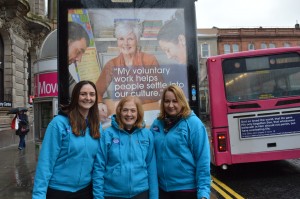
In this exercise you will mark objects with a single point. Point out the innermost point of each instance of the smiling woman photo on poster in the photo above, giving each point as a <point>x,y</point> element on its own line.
<point>130,73</point>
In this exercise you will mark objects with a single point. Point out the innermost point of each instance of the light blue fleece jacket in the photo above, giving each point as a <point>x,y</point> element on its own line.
<point>65,161</point>
<point>125,165</point>
<point>183,156</point>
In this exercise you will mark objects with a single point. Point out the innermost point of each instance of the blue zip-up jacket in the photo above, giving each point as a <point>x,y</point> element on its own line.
<point>183,156</point>
<point>125,165</point>
<point>65,161</point>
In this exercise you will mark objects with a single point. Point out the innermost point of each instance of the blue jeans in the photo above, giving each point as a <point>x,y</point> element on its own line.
<point>22,141</point>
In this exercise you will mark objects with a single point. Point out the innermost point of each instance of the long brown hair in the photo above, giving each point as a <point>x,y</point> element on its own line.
<point>140,111</point>
<point>179,94</point>
<point>78,122</point>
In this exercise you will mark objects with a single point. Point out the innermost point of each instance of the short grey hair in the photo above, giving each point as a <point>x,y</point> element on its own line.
<point>124,28</point>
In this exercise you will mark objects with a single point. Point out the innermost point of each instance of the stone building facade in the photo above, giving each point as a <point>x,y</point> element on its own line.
<point>23,26</point>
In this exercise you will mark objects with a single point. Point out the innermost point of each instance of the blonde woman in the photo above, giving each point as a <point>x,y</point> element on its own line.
<point>182,149</point>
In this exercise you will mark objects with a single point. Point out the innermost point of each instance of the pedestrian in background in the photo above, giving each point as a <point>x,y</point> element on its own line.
<point>182,149</point>
<point>23,128</point>
<point>69,148</point>
<point>125,165</point>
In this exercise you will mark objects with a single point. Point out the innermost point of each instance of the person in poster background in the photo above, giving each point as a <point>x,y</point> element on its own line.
<point>172,41</point>
<point>78,41</point>
<point>126,66</point>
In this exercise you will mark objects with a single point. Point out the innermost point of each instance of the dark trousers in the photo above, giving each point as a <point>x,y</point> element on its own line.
<point>85,193</point>
<point>177,194</point>
<point>143,195</point>
<point>22,143</point>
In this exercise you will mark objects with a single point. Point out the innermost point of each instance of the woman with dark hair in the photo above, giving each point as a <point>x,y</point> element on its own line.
<point>182,149</point>
<point>71,141</point>
<point>171,38</point>
<point>125,166</point>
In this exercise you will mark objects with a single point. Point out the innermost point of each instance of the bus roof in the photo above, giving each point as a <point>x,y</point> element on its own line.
<point>256,52</point>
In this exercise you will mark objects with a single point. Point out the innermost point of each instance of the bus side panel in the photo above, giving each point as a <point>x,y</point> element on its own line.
<point>218,111</point>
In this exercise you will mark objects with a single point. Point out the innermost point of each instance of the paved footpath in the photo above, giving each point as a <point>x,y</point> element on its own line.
<point>17,169</point>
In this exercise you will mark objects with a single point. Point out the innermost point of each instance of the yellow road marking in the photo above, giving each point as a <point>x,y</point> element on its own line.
<point>220,191</point>
<point>226,188</point>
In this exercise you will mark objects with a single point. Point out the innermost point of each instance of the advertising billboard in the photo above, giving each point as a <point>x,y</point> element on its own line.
<point>134,49</point>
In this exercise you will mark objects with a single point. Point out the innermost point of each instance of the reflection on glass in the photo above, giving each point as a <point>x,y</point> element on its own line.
<point>263,84</point>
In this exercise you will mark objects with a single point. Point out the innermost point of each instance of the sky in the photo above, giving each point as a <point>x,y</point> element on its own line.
<point>247,13</point>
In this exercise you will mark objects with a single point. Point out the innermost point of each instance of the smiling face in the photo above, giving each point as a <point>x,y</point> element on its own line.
<point>175,51</point>
<point>87,99</point>
<point>171,105</point>
<point>129,114</point>
<point>76,50</point>
<point>128,44</point>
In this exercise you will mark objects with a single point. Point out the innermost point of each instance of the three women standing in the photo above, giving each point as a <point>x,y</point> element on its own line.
<point>123,163</point>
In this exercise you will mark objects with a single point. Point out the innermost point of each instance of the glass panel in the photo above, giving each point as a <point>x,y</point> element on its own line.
<point>1,69</point>
<point>46,114</point>
<point>251,47</point>
<point>286,44</point>
<point>235,48</point>
<point>263,46</point>
<point>46,117</point>
<point>204,50</point>
<point>272,45</point>
<point>280,77</point>
<point>226,48</point>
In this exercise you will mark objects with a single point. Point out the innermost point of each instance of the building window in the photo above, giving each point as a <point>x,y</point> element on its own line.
<point>286,44</point>
<point>271,45</point>
<point>1,69</point>
<point>204,50</point>
<point>251,46</point>
<point>46,3</point>
<point>226,48</point>
<point>235,48</point>
<point>263,46</point>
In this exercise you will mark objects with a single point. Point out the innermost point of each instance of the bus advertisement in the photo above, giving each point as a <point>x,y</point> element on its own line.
<point>114,29</point>
<point>254,106</point>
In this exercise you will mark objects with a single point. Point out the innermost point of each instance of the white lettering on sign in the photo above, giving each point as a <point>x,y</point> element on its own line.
<point>47,88</point>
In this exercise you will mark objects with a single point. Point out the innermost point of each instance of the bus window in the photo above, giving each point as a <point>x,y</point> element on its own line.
<point>262,77</point>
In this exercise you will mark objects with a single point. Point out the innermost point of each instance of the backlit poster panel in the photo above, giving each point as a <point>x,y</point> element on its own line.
<point>135,52</point>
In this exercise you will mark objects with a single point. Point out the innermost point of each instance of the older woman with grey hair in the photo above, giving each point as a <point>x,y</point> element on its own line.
<point>124,67</point>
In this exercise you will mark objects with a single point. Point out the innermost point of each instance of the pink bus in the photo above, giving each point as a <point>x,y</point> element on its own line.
<point>254,106</point>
